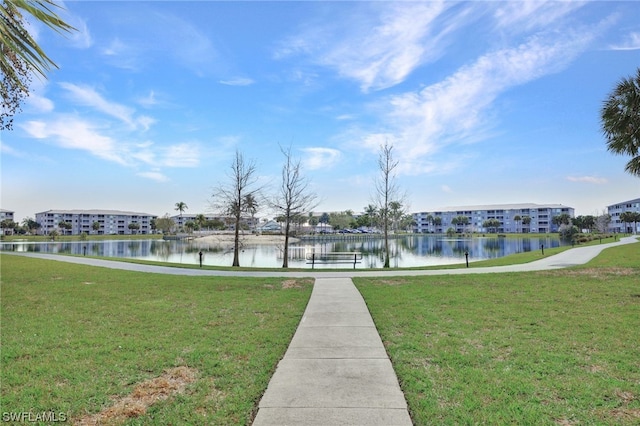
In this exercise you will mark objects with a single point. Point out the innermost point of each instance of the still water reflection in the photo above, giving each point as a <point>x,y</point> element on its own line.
<point>409,251</point>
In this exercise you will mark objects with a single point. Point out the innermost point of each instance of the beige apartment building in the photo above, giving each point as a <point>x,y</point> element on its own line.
<point>540,216</point>
<point>95,222</point>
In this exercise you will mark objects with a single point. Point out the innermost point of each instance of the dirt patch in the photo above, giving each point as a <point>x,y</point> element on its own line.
<point>566,422</point>
<point>626,397</point>
<point>293,283</point>
<point>145,394</point>
<point>596,369</point>
<point>598,273</point>
<point>392,282</point>
<point>626,414</point>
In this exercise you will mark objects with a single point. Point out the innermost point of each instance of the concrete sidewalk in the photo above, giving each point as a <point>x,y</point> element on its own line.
<point>336,370</point>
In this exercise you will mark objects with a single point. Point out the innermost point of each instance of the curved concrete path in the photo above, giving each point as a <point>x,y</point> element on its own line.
<point>336,370</point>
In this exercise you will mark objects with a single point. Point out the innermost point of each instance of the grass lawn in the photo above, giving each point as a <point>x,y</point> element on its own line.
<point>558,347</point>
<point>78,340</point>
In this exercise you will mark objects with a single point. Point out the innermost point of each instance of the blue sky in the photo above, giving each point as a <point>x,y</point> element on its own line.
<point>484,103</point>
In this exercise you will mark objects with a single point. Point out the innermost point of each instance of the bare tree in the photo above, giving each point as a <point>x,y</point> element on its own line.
<point>386,192</point>
<point>602,222</point>
<point>293,198</point>
<point>230,198</point>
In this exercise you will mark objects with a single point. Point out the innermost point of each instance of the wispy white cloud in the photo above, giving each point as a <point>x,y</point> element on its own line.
<point>144,40</point>
<point>145,153</point>
<point>88,96</point>
<point>145,121</point>
<point>630,42</point>
<point>446,188</point>
<point>387,53</point>
<point>525,15</point>
<point>73,133</point>
<point>181,155</point>
<point>81,38</point>
<point>587,179</point>
<point>149,100</point>
<point>383,47</point>
<point>154,175</point>
<point>191,46</point>
<point>123,55</point>
<point>8,150</point>
<point>320,158</point>
<point>39,104</point>
<point>237,81</point>
<point>458,109</point>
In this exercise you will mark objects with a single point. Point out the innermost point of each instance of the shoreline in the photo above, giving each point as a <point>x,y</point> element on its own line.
<point>227,240</point>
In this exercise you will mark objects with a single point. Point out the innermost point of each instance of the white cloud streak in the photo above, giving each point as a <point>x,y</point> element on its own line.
<point>148,101</point>
<point>458,109</point>
<point>71,132</point>
<point>386,54</point>
<point>525,15</point>
<point>8,150</point>
<point>320,158</point>
<point>181,155</point>
<point>630,42</point>
<point>154,175</point>
<point>380,50</point>
<point>87,96</point>
<point>587,179</point>
<point>40,103</point>
<point>237,81</point>
<point>148,42</point>
<point>81,37</point>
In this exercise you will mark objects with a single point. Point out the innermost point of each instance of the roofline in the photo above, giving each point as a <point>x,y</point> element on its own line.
<point>98,211</point>
<point>499,207</point>
<point>636,200</point>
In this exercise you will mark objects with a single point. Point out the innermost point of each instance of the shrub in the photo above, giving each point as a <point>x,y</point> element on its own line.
<point>567,232</point>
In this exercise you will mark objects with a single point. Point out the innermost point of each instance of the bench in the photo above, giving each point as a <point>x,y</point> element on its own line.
<point>335,257</point>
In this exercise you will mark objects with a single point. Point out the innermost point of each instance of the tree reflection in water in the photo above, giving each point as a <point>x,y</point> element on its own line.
<point>405,251</point>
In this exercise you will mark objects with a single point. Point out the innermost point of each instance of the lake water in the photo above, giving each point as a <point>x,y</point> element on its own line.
<point>408,251</point>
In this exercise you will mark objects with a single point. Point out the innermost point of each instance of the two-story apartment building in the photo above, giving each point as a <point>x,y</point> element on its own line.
<point>95,222</point>
<point>615,210</point>
<point>513,218</point>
